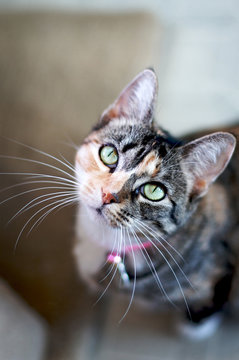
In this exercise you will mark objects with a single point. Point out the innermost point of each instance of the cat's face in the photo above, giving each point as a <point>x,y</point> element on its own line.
<point>130,172</point>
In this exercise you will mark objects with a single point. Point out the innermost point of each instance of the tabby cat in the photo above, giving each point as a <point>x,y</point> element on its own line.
<point>154,211</point>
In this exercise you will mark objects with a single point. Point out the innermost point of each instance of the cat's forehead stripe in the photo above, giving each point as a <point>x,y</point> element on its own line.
<point>150,164</point>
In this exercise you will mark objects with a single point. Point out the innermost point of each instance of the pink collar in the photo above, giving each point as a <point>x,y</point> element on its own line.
<point>116,258</point>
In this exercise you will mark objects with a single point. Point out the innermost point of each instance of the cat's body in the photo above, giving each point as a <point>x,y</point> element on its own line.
<point>190,226</point>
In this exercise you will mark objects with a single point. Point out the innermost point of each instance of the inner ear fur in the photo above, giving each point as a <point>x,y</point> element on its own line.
<point>205,159</point>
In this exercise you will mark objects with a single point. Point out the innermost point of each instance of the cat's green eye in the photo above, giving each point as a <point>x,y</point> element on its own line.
<point>153,192</point>
<point>109,155</point>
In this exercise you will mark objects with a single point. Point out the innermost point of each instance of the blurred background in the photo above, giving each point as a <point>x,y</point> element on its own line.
<point>61,64</point>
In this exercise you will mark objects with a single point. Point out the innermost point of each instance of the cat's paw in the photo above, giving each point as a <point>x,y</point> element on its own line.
<point>202,330</point>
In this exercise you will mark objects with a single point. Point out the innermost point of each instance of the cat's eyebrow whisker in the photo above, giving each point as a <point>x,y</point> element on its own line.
<point>171,154</point>
<point>32,217</point>
<point>170,158</point>
<point>169,253</point>
<point>48,197</point>
<point>151,267</point>
<point>40,152</point>
<point>185,163</point>
<point>40,163</point>
<point>170,267</point>
<point>71,166</point>
<point>135,275</point>
<point>70,143</point>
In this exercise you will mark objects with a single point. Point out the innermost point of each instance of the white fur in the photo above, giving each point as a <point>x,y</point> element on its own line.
<point>203,330</point>
<point>92,237</point>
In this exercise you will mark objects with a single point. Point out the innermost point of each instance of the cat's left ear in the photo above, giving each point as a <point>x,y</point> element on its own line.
<point>136,101</point>
<point>205,159</point>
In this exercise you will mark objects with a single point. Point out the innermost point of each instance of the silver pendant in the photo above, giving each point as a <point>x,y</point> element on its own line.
<point>118,262</point>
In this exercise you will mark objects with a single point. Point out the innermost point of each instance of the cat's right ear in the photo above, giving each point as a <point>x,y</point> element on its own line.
<point>136,101</point>
<point>205,159</point>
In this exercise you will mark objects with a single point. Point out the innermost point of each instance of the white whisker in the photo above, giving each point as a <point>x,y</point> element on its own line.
<point>134,284</point>
<point>151,267</point>
<point>48,196</point>
<point>153,231</point>
<point>32,217</point>
<point>113,276</point>
<point>168,252</point>
<point>36,175</point>
<point>170,267</point>
<point>33,190</point>
<point>58,207</point>
<point>71,166</point>
<point>111,253</point>
<point>38,182</point>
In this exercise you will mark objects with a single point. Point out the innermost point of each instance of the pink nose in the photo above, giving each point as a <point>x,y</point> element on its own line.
<point>108,198</point>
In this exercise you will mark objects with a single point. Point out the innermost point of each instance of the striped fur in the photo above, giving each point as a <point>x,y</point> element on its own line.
<point>190,229</point>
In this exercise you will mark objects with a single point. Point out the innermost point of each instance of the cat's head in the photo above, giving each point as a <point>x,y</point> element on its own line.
<point>131,171</point>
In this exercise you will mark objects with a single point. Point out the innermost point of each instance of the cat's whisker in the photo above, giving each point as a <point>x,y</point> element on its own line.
<point>114,273</point>
<point>38,182</point>
<point>29,220</point>
<point>149,229</point>
<point>108,272</point>
<point>169,253</point>
<point>151,267</point>
<point>58,207</point>
<point>40,175</point>
<point>124,243</point>
<point>170,267</point>
<point>48,196</point>
<point>111,253</point>
<point>107,287</point>
<point>33,190</point>
<point>134,284</point>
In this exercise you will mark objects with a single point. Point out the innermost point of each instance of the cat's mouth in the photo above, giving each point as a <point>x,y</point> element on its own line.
<point>112,218</point>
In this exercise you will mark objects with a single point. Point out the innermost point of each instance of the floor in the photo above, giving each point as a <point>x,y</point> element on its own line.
<point>142,335</point>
